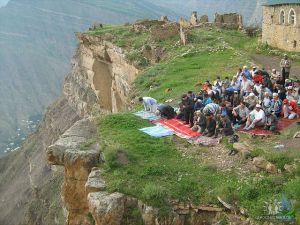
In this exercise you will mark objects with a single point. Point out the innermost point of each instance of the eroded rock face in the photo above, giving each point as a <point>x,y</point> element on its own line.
<point>78,159</point>
<point>101,77</point>
<point>95,183</point>
<point>107,209</point>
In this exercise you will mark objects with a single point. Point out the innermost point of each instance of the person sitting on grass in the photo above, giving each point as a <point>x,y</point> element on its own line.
<point>291,94</point>
<point>225,110</point>
<point>150,104</point>
<point>256,118</point>
<point>251,101</point>
<point>266,101</point>
<point>240,114</point>
<point>271,121</point>
<point>276,104</point>
<point>206,99</point>
<point>246,86</point>
<point>225,84</point>
<point>289,109</point>
<point>211,124</point>
<point>235,99</point>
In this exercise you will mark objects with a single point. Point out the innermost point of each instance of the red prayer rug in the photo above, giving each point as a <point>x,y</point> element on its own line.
<point>178,127</point>
<point>282,124</point>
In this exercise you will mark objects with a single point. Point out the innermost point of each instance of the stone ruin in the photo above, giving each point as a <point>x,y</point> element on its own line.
<point>96,26</point>
<point>229,20</point>
<point>163,28</point>
<point>164,19</point>
<point>194,18</point>
<point>146,25</point>
<point>166,31</point>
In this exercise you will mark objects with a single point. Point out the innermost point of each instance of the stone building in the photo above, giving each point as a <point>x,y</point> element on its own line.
<point>281,24</point>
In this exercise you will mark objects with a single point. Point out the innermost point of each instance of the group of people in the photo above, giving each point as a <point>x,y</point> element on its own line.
<point>252,98</point>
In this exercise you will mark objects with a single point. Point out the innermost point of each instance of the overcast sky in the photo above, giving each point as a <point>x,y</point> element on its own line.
<point>3,2</point>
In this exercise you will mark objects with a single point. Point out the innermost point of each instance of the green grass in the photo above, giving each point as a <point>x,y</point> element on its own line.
<point>155,170</point>
<point>210,53</point>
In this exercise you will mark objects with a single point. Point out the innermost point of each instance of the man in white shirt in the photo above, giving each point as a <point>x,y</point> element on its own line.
<point>150,104</point>
<point>256,118</point>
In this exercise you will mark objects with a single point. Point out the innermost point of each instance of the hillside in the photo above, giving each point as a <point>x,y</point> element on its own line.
<point>36,40</point>
<point>203,173</point>
<point>29,187</point>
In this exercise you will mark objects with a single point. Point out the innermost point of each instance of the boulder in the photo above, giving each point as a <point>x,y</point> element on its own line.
<point>107,209</point>
<point>263,164</point>
<point>289,168</point>
<point>95,182</point>
<point>243,149</point>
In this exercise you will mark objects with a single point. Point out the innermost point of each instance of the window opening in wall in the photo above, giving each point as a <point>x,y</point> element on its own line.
<point>295,44</point>
<point>272,19</point>
<point>281,17</point>
<point>292,17</point>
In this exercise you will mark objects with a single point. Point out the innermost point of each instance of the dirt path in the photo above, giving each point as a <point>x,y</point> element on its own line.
<point>271,62</point>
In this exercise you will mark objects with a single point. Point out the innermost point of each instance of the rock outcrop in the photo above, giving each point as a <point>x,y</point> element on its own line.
<point>101,77</point>
<point>78,162</point>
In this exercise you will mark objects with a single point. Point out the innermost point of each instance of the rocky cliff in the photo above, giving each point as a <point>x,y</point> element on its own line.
<point>99,80</point>
<point>100,77</point>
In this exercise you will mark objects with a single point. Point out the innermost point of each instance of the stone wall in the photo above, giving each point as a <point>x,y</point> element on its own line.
<point>230,20</point>
<point>284,36</point>
<point>160,33</point>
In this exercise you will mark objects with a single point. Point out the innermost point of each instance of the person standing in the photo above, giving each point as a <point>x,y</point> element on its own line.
<point>188,109</point>
<point>285,65</point>
<point>150,104</point>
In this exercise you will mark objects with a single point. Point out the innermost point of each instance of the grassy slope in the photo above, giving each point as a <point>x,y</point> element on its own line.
<point>156,170</point>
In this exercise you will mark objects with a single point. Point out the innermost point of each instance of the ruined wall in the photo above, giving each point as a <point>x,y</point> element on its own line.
<point>100,78</point>
<point>284,36</point>
<point>230,20</point>
<point>160,33</point>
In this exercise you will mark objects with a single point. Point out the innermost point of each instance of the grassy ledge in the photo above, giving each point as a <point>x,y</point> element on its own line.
<point>158,170</point>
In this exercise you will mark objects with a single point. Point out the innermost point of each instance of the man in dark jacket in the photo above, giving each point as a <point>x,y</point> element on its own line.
<point>166,111</point>
<point>188,109</point>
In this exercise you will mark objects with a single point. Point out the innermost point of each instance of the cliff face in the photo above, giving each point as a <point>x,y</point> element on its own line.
<point>100,77</point>
<point>29,187</point>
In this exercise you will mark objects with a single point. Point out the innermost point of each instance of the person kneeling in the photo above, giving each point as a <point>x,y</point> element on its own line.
<point>256,118</point>
<point>271,121</point>
<point>165,111</point>
<point>210,125</point>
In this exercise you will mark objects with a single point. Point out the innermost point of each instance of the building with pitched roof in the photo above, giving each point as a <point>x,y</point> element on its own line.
<point>281,24</point>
